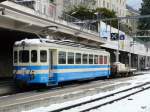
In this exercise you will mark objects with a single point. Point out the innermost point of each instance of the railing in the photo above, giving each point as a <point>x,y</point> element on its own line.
<point>83,24</point>
<point>26,3</point>
<point>51,12</point>
<point>143,33</point>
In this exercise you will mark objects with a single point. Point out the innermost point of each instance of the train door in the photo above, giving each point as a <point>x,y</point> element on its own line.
<point>50,63</point>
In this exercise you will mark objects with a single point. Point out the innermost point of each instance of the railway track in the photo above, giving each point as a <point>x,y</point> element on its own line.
<point>95,103</point>
<point>7,86</point>
<point>55,95</point>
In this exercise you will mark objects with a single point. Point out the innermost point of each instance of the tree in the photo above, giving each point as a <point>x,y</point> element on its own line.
<point>81,12</point>
<point>85,13</point>
<point>106,13</point>
<point>144,23</point>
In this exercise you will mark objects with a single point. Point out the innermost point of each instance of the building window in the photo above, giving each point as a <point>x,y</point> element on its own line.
<point>52,1</point>
<point>103,3</point>
<point>70,58</point>
<point>62,57</point>
<point>107,5</point>
<point>78,58</point>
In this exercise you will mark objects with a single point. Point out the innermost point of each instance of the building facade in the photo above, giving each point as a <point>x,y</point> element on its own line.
<point>119,6</point>
<point>54,8</point>
<point>132,22</point>
<point>45,7</point>
<point>68,4</point>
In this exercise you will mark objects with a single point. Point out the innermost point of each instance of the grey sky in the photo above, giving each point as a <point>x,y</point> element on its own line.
<point>134,3</point>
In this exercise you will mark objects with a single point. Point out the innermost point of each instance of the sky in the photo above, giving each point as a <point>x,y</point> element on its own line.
<point>134,3</point>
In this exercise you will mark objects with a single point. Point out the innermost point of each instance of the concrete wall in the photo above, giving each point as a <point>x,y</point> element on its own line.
<point>8,37</point>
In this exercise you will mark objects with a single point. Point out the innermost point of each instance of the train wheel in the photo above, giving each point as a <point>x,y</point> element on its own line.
<point>126,74</point>
<point>21,86</point>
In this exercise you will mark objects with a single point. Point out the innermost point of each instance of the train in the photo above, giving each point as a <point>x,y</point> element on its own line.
<point>50,62</point>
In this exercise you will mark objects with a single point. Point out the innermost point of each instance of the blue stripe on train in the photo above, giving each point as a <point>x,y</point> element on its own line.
<point>31,67</point>
<point>39,78</point>
<point>60,67</point>
<point>80,75</point>
<point>79,66</point>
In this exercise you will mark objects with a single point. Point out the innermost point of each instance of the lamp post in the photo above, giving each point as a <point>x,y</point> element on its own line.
<point>129,54</point>
<point>132,43</point>
<point>98,15</point>
<point>117,53</point>
<point>146,60</point>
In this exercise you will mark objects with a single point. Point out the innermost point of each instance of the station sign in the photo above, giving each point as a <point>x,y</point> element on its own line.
<point>114,36</point>
<point>122,37</point>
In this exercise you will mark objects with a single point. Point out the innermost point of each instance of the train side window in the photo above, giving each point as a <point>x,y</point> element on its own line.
<point>85,58</point>
<point>15,56</point>
<point>90,59</point>
<point>100,59</point>
<point>24,56</point>
<point>105,59</point>
<point>43,56</point>
<point>34,56</point>
<point>78,58</point>
<point>96,59</point>
<point>70,58</point>
<point>62,57</point>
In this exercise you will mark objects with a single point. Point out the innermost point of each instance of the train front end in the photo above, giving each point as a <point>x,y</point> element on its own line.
<point>30,64</point>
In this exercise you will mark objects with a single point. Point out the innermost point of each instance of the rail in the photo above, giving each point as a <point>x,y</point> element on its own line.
<point>103,100</point>
<point>78,22</point>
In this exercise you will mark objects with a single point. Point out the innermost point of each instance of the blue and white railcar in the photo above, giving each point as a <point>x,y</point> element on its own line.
<point>47,62</point>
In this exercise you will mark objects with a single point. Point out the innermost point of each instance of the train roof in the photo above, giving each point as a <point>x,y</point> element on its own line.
<point>28,41</point>
<point>47,42</point>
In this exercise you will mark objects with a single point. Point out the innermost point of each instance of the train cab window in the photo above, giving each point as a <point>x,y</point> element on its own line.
<point>24,56</point>
<point>100,59</point>
<point>70,58</point>
<point>43,56</point>
<point>105,59</point>
<point>33,56</point>
<point>85,58</point>
<point>15,56</point>
<point>62,57</point>
<point>95,59</point>
<point>90,59</point>
<point>78,58</point>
